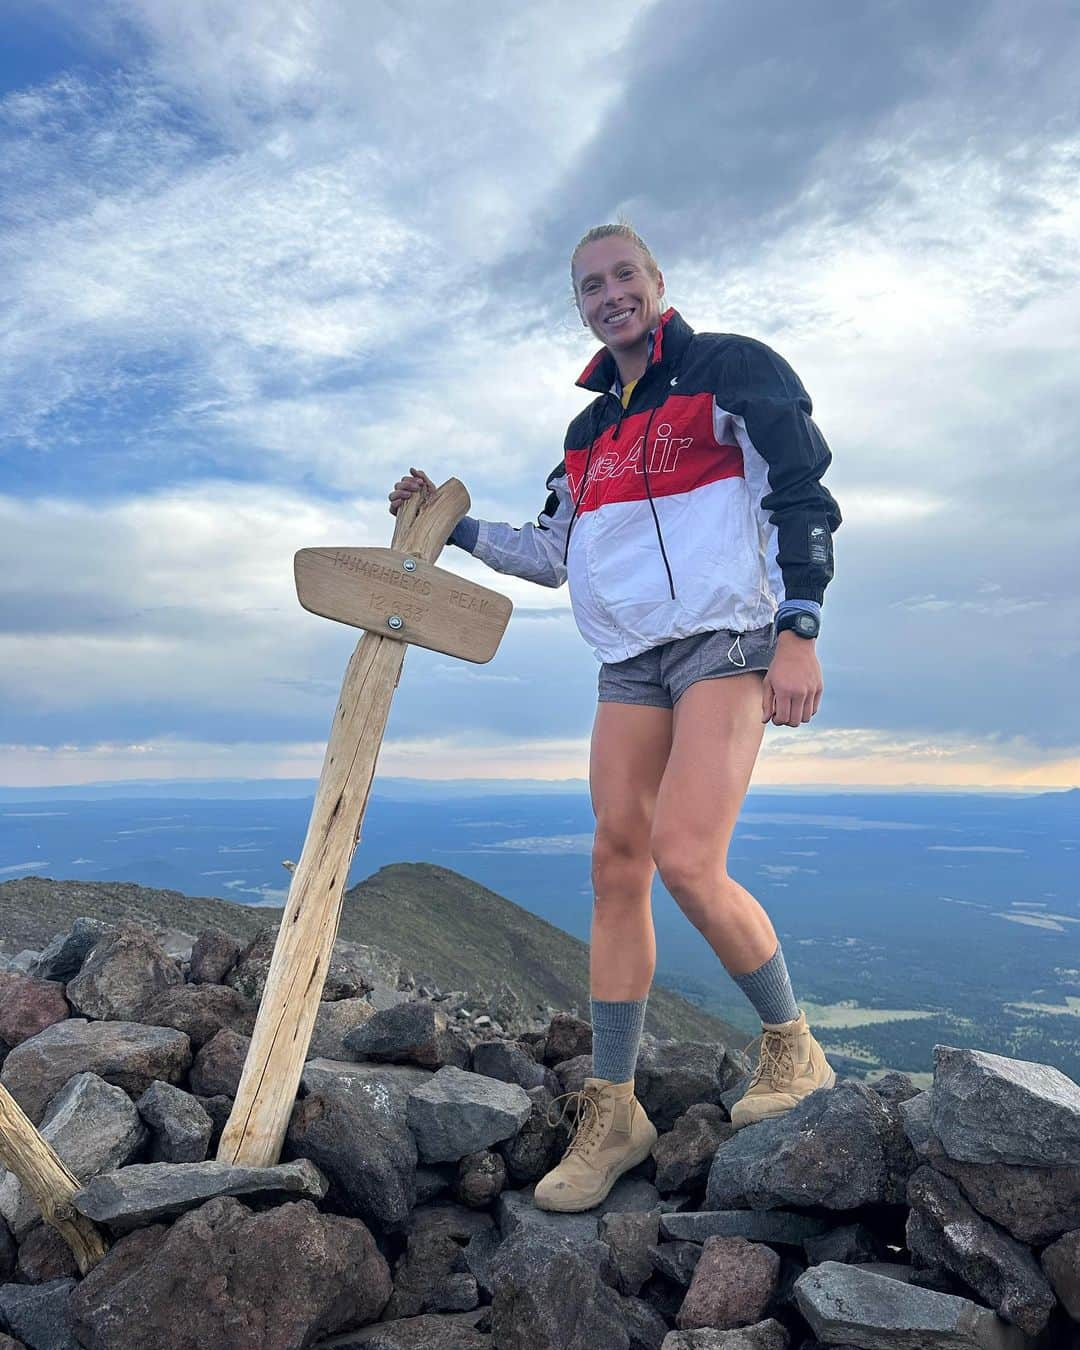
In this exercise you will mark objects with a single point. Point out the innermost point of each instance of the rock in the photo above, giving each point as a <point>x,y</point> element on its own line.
<point>645,1326</point>
<point>845,1304</point>
<point>457,1112</point>
<point>834,1148</point>
<point>44,1256</point>
<point>510,1062</point>
<point>515,1212</point>
<point>272,1281</point>
<point>767,1335</point>
<point>200,1011</point>
<point>62,959</point>
<point>538,1145</point>
<point>684,1155</point>
<point>175,942</point>
<point>985,1108</point>
<point>212,957</point>
<point>28,1006</point>
<point>479,1255</point>
<point>123,971</point>
<point>853,1243</point>
<point>333,1022</point>
<point>123,1053</point>
<point>249,973</point>
<point>567,1038</point>
<point>481,1177</point>
<point>8,1253</point>
<point>414,1033</point>
<point>23,962</point>
<point>219,1064</point>
<point>676,1261</point>
<point>944,1230</point>
<point>383,1087</point>
<point>145,1193</point>
<point>435,1251</point>
<point>671,1076</point>
<point>93,1127</point>
<point>181,1126</point>
<point>629,1238</point>
<point>548,1296</point>
<point>426,1332</point>
<point>1034,1204</point>
<point>218,1108</point>
<point>772,1226</point>
<point>731,1285</point>
<point>367,1155</point>
<point>1061,1264</point>
<point>39,1315</point>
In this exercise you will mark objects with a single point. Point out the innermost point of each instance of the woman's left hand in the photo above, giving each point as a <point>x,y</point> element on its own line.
<point>793,685</point>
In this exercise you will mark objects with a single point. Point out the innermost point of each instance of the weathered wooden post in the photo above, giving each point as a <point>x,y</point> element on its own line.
<point>47,1181</point>
<point>399,597</point>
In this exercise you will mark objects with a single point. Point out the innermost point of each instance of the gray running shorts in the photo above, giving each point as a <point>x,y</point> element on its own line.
<point>658,677</point>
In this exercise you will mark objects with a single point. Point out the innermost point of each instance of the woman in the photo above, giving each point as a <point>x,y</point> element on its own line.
<point>689,517</point>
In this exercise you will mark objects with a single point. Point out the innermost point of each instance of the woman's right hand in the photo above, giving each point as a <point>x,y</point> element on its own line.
<point>416,480</point>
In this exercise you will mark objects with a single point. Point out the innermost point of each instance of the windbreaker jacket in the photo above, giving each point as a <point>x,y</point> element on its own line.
<point>696,508</point>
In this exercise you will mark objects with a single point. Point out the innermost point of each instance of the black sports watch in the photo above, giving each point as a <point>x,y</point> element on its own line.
<point>799,621</point>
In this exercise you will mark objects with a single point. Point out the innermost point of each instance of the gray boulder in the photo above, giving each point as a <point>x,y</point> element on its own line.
<point>986,1108</point>
<point>672,1075</point>
<point>212,957</point>
<point>200,1011</point>
<point>944,1230</point>
<point>123,1053</point>
<point>434,1252</point>
<point>457,1112</point>
<point>416,1033</point>
<point>538,1144</point>
<point>123,971</point>
<point>846,1305</point>
<point>384,1088</point>
<point>772,1226</point>
<point>684,1155</point>
<point>836,1148</point>
<point>39,1315</point>
<point>145,1193</point>
<point>93,1127</point>
<point>333,1022</point>
<point>367,1155</point>
<point>180,1126</point>
<point>219,1064</point>
<point>516,1213</point>
<point>1061,1263</point>
<point>767,1335</point>
<point>62,959</point>
<point>549,1296</point>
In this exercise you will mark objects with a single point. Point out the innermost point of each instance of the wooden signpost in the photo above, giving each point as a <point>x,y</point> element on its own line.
<point>399,597</point>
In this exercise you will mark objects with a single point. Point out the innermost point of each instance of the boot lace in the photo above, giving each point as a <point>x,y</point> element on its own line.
<point>586,1123</point>
<point>776,1060</point>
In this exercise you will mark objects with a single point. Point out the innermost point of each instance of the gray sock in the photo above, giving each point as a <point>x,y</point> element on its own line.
<point>616,1037</point>
<point>769,989</point>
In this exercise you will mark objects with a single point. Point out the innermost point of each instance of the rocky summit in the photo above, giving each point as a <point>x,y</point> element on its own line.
<point>400,1214</point>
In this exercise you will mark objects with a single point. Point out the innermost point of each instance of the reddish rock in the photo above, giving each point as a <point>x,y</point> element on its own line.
<point>219,1063</point>
<point>213,956</point>
<point>733,1282</point>
<point>200,1011</point>
<point>28,1006</point>
<point>45,1256</point>
<point>224,1278</point>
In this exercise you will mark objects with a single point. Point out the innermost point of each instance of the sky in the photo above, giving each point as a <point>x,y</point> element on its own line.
<point>257,260</point>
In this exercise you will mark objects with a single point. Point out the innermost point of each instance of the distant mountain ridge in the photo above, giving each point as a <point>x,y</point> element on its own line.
<point>449,930</point>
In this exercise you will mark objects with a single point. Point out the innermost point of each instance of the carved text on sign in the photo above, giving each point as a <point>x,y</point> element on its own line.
<point>377,571</point>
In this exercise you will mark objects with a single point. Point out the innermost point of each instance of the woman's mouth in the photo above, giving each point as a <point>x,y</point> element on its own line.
<point>620,317</point>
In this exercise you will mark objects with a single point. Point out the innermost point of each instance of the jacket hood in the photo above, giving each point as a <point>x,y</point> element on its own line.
<point>670,338</point>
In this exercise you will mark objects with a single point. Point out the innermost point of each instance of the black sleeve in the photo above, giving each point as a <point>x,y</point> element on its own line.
<point>762,388</point>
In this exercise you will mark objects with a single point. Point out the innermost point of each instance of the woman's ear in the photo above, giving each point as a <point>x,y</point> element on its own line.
<point>659,283</point>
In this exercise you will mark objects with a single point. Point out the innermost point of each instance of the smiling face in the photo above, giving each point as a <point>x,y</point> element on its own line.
<point>618,295</point>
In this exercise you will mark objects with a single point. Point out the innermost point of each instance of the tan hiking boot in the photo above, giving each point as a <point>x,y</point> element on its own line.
<point>612,1133</point>
<point>790,1066</point>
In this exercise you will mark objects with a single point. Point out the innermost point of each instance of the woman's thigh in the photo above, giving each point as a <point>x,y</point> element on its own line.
<point>630,747</point>
<point>716,735</point>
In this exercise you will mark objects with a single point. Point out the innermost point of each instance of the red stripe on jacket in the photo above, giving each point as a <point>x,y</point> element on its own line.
<point>683,454</point>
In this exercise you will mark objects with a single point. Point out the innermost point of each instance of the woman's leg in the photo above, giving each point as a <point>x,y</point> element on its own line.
<point>716,734</point>
<point>630,745</point>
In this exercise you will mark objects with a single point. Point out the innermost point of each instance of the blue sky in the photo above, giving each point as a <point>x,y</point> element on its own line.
<point>257,260</point>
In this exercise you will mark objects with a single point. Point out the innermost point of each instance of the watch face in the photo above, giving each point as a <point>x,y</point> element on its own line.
<point>807,623</point>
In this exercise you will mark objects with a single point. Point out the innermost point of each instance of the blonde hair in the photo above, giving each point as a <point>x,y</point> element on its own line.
<point>622,230</point>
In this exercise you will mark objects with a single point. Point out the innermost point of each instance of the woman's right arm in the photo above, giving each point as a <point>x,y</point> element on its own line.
<point>532,551</point>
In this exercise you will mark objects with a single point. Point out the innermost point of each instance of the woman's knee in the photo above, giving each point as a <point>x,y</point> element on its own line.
<point>688,867</point>
<point>621,852</point>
